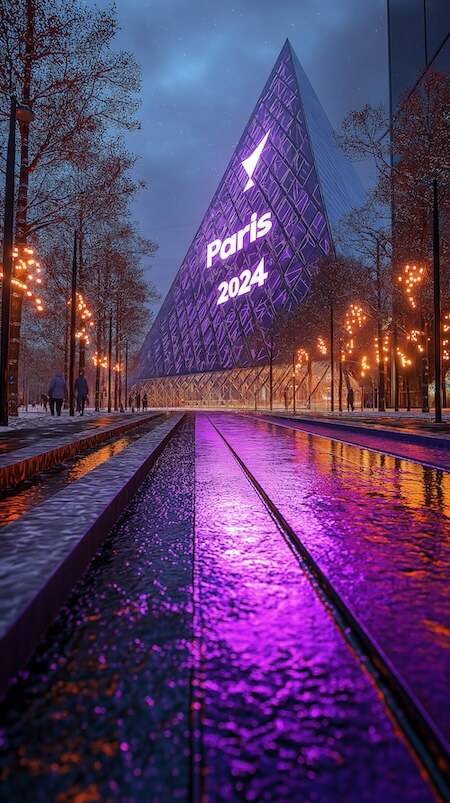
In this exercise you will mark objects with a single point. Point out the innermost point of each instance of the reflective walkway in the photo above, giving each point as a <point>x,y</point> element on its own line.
<point>380,529</point>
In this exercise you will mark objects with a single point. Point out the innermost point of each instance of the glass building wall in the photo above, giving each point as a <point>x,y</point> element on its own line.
<point>419,37</point>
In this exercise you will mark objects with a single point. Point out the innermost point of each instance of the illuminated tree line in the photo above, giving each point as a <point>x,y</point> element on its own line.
<point>375,309</point>
<point>73,171</point>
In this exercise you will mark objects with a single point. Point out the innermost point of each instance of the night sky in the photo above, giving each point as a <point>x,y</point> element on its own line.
<point>204,65</point>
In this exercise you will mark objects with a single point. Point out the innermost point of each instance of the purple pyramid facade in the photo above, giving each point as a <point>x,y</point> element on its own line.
<point>271,219</point>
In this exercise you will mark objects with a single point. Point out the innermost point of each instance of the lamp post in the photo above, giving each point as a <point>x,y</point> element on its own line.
<point>73,323</point>
<point>437,307</point>
<point>381,376</point>
<point>340,375</point>
<point>24,115</point>
<point>332,354</point>
<point>109,361</point>
<point>436,303</point>
<point>126,374</point>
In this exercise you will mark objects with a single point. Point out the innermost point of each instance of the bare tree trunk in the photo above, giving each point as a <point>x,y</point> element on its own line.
<point>395,367</point>
<point>116,357</point>
<point>332,355</point>
<point>381,383</point>
<point>425,400</point>
<point>81,354</point>
<point>98,366</point>
<point>21,217</point>
<point>293,378</point>
<point>66,341</point>
<point>82,347</point>
<point>120,379</point>
<point>308,402</point>
<point>271,376</point>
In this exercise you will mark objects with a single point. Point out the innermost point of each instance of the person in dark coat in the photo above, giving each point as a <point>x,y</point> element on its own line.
<point>144,401</point>
<point>350,400</point>
<point>57,392</point>
<point>81,392</point>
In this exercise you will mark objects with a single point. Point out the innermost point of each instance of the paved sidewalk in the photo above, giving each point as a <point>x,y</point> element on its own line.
<point>38,426</point>
<point>45,441</point>
<point>44,552</point>
<point>414,420</point>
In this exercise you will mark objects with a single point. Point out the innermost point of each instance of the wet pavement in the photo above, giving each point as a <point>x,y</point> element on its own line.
<point>415,444</point>
<point>195,661</point>
<point>379,527</point>
<point>47,428</point>
<point>102,712</point>
<point>287,712</point>
<point>15,502</point>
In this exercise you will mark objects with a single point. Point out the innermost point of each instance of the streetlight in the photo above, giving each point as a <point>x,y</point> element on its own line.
<point>126,374</point>
<point>73,323</point>
<point>24,115</point>
<point>437,307</point>
<point>436,302</point>
<point>109,360</point>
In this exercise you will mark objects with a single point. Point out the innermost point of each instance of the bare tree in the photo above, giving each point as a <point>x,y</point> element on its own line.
<point>57,57</point>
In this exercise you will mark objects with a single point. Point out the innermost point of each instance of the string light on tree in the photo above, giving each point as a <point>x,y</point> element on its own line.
<point>322,346</point>
<point>416,336</point>
<point>27,275</point>
<point>100,360</point>
<point>348,348</point>
<point>365,367</point>
<point>302,358</point>
<point>384,349</point>
<point>411,278</point>
<point>446,338</point>
<point>85,316</point>
<point>405,362</point>
<point>355,318</point>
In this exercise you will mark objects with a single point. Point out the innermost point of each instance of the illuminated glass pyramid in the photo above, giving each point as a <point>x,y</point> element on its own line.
<point>273,216</point>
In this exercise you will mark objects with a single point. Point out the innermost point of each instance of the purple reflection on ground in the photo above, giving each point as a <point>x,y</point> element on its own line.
<point>429,450</point>
<point>379,528</point>
<point>286,711</point>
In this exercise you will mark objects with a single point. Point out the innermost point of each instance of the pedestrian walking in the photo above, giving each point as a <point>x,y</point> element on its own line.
<point>350,400</point>
<point>81,392</point>
<point>138,401</point>
<point>57,392</point>
<point>144,401</point>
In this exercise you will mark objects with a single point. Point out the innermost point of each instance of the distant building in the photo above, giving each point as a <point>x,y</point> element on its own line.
<point>419,39</point>
<point>273,216</point>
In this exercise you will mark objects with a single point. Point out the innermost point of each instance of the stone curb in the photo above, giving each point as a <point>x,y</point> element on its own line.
<point>18,465</point>
<point>378,430</point>
<point>44,554</point>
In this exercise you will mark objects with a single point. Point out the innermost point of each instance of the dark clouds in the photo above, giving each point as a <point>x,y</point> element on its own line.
<point>204,64</point>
